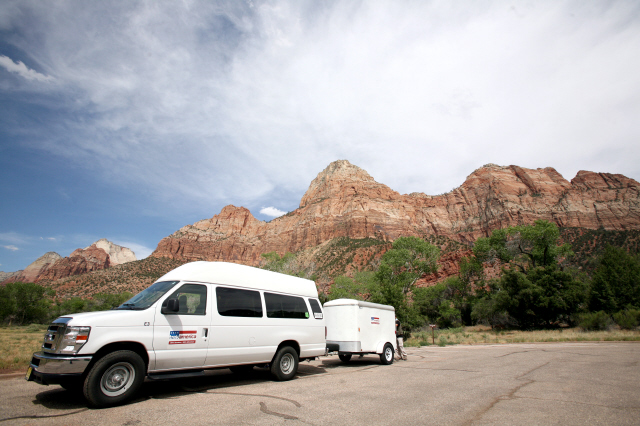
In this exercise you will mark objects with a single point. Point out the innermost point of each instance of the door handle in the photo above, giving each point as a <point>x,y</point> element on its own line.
<point>205,332</point>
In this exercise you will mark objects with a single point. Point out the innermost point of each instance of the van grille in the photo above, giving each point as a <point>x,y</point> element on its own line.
<point>53,336</point>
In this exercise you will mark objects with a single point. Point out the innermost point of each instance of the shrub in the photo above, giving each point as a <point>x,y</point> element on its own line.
<point>627,319</point>
<point>595,321</point>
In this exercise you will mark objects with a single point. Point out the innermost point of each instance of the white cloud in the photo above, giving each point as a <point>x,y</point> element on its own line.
<point>12,248</point>
<point>14,238</point>
<point>272,211</point>
<point>22,70</point>
<point>227,103</point>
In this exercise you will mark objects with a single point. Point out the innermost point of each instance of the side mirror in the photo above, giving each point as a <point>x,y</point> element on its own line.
<point>170,306</point>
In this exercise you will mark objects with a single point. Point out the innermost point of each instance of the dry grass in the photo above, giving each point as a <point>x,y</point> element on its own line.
<point>484,335</point>
<point>17,344</point>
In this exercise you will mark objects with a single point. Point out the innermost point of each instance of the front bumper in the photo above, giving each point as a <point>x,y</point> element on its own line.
<point>50,369</point>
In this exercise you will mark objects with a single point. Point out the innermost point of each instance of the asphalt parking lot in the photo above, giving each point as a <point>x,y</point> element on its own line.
<point>521,384</point>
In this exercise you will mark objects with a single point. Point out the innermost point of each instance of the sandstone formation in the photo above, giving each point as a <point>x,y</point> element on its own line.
<point>345,201</point>
<point>117,254</point>
<point>32,272</point>
<point>79,262</point>
<point>51,266</point>
<point>7,275</point>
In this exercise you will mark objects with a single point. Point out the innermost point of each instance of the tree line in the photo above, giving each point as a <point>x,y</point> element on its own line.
<point>536,288</point>
<point>29,303</point>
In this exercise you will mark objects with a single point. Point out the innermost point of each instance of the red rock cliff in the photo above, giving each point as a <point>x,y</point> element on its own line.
<point>344,200</point>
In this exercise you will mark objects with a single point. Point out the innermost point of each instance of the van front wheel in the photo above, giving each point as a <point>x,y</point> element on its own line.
<point>115,378</point>
<point>285,364</point>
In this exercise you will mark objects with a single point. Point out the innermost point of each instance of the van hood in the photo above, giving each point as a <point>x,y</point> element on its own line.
<point>114,318</point>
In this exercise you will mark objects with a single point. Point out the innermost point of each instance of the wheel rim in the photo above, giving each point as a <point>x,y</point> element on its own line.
<point>117,379</point>
<point>287,363</point>
<point>388,354</point>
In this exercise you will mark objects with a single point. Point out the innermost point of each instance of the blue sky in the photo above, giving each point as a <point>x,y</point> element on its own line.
<point>127,120</point>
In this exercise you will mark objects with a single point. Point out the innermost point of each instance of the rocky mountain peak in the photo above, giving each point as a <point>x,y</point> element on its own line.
<point>331,182</point>
<point>32,272</point>
<point>51,266</point>
<point>117,254</point>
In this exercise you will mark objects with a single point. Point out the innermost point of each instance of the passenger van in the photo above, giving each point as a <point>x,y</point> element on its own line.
<point>199,316</point>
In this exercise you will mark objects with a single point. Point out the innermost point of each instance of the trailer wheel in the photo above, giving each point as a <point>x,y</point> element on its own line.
<point>386,357</point>
<point>285,363</point>
<point>115,378</point>
<point>344,356</point>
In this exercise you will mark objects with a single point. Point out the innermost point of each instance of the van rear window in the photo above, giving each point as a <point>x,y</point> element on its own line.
<point>281,306</point>
<point>233,302</point>
<point>315,307</point>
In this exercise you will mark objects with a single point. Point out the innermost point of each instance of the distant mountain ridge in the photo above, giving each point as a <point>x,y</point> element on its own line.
<point>51,266</point>
<point>347,220</point>
<point>345,201</point>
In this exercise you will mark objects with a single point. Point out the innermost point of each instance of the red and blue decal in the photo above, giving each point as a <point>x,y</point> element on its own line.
<point>375,320</point>
<point>182,337</point>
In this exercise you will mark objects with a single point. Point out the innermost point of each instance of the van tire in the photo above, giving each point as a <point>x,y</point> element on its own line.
<point>114,378</point>
<point>344,356</point>
<point>285,364</point>
<point>386,357</point>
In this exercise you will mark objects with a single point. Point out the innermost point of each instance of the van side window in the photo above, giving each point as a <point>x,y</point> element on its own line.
<point>281,306</point>
<point>233,302</point>
<point>315,307</point>
<point>192,298</point>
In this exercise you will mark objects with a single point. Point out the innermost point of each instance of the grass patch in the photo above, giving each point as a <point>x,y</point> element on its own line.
<point>484,335</point>
<point>17,344</point>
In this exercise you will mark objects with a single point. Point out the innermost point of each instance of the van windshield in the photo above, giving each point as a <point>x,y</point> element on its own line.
<point>148,297</point>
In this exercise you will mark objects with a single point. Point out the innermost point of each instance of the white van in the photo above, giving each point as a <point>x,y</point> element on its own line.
<point>357,327</point>
<point>199,316</point>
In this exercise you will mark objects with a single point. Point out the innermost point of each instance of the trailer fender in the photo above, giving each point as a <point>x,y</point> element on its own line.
<point>380,347</point>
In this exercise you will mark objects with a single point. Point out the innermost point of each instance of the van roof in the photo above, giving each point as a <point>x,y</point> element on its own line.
<point>241,276</point>
<point>353,302</point>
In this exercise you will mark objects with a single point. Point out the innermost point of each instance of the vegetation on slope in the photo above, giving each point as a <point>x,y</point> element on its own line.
<point>132,277</point>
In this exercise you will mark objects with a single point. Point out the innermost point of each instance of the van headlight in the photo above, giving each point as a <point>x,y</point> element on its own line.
<point>74,339</point>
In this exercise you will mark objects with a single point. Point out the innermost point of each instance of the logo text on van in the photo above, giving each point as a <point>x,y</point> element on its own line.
<point>182,337</point>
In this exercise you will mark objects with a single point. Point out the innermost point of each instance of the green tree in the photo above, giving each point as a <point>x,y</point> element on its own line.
<point>533,291</point>
<point>28,302</point>
<point>524,246</point>
<point>72,306</point>
<point>542,298</point>
<point>7,304</point>
<point>436,305</point>
<point>106,301</point>
<point>616,281</point>
<point>357,288</point>
<point>400,267</point>
<point>276,263</point>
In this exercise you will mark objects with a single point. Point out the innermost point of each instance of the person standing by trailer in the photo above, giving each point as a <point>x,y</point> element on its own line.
<point>399,341</point>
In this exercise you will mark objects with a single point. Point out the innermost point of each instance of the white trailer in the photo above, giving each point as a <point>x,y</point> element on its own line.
<point>357,327</point>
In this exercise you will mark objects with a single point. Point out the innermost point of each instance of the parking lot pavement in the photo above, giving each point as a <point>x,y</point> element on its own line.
<point>522,384</point>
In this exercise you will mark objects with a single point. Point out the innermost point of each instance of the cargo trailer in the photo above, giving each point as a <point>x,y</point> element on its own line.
<point>357,327</point>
